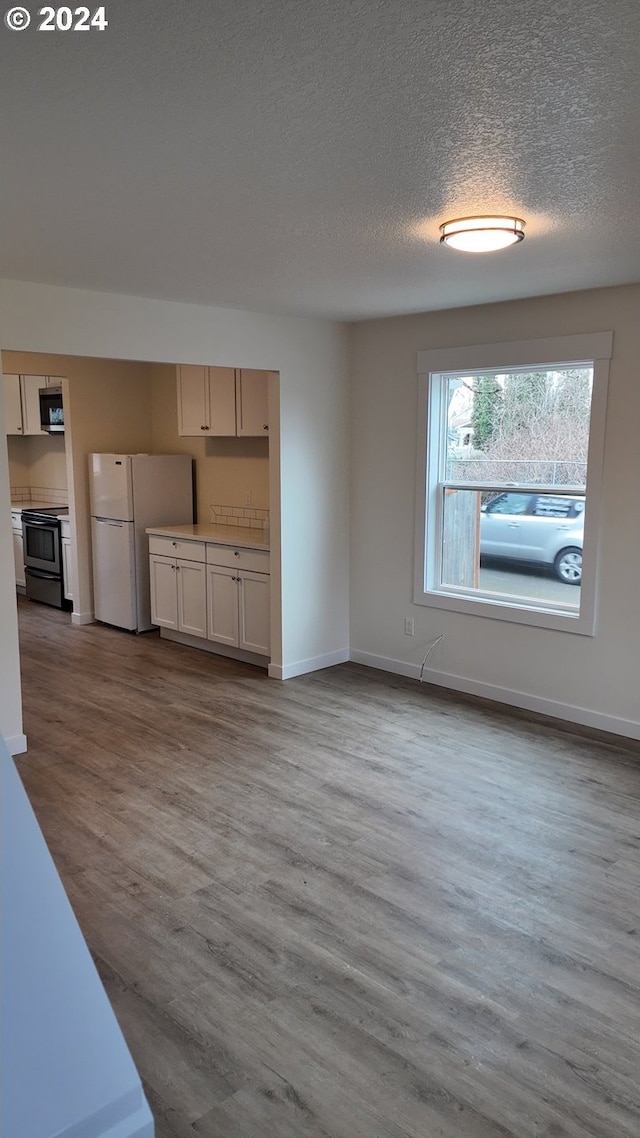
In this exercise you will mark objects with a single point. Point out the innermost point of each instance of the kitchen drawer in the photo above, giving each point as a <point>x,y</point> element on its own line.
<point>173,547</point>
<point>16,519</point>
<point>257,560</point>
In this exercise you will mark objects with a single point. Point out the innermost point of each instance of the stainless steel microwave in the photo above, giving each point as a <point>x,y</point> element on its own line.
<point>51,410</point>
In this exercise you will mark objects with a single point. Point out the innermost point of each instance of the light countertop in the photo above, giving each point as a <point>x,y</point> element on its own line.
<point>242,536</point>
<point>37,506</point>
<point>18,507</point>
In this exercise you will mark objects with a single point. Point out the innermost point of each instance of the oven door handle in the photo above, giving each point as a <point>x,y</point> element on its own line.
<point>41,574</point>
<point>33,522</point>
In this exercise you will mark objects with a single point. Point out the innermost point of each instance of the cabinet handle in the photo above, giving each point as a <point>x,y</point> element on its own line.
<point>235,553</point>
<point>265,427</point>
<point>177,568</point>
<point>173,568</point>
<point>174,544</point>
<point>204,428</point>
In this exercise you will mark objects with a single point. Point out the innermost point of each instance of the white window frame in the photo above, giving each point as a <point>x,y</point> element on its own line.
<point>553,353</point>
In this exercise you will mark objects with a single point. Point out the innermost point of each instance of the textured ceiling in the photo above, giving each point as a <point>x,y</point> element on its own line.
<point>297,156</point>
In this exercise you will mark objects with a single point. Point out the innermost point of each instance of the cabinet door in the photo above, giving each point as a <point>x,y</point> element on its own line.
<point>12,404</point>
<point>192,597</point>
<point>18,557</point>
<point>164,593</point>
<point>222,605</point>
<point>66,568</point>
<point>193,400</point>
<point>253,607</point>
<point>252,402</point>
<point>31,385</point>
<point>222,400</point>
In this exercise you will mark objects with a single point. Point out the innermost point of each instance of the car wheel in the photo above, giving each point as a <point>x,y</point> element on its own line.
<point>568,566</point>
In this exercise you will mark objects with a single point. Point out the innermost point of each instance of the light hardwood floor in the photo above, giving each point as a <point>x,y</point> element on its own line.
<point>346,905</point>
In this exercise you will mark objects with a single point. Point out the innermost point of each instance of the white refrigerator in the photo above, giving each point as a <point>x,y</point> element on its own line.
<point>128,493</point>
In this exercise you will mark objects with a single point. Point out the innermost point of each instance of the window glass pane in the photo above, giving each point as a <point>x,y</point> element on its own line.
<point>533,556</point>
<point>522,427</point>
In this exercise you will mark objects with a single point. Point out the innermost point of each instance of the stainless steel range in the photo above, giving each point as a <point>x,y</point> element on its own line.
<point>41,532</point>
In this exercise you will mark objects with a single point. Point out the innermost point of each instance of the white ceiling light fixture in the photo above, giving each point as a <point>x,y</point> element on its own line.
<point>482,234</point>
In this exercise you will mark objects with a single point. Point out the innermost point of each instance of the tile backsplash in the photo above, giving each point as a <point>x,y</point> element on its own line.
<point>23,495</point>
<point>239,516</point>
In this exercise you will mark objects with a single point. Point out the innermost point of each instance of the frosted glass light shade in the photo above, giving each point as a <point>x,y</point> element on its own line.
<point>481,234</point>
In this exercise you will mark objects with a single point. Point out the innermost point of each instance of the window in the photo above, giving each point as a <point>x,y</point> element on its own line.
<point>509,467</point>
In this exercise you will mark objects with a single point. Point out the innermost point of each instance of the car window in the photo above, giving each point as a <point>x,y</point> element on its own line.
<point>552,506</point>
<point>509,504</point>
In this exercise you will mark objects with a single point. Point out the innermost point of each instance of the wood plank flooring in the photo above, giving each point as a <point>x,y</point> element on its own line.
<point>344,906</point>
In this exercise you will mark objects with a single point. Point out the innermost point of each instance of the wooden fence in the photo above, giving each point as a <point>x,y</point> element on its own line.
<point>461,538</point>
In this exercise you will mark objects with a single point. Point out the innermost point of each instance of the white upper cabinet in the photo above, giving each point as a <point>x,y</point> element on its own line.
<point>193,400</point>
<point>219,401</point>
<point>22,402</point>
<point>30,386</point>
<point>12,404</point>
<point>252,403</point>
<point>206,400</point>
<point>222,400</point>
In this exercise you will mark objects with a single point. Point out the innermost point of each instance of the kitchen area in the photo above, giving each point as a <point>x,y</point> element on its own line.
<point>39,498</point>
<point>194,563</point>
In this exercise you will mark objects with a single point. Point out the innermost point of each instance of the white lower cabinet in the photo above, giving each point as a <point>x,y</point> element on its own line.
<point>225,600</point>
<point>253,612</point>
<point>178,594</point>
<point>238,592</point>
<point>192,598</point>
<point>164,591</point>
<point>67,572</point>
<point>238,608</point>
<point>18,557</point>
<point>222,605</point>
<point>66,568</point>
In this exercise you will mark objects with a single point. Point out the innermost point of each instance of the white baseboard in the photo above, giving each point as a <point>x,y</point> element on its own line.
<point>313,664</point>
<point>628,728</point>
<point>82,618</point>
<point>17,744</point>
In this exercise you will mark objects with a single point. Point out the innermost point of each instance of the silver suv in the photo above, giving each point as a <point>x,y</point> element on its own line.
<point>542,529</point>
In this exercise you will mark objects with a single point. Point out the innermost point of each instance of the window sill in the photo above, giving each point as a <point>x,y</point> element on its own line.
<point>582,624</point>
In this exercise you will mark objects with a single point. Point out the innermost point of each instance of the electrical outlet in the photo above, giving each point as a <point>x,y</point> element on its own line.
<point>247,497</point>
<point>409,626</point>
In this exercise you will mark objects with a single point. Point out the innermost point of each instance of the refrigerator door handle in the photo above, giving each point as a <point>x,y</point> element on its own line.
<point>108,522</point>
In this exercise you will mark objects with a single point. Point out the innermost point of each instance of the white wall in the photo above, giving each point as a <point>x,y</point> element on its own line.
<point>10,692</point>
<point>587,680</point>
<point>310,482</point>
